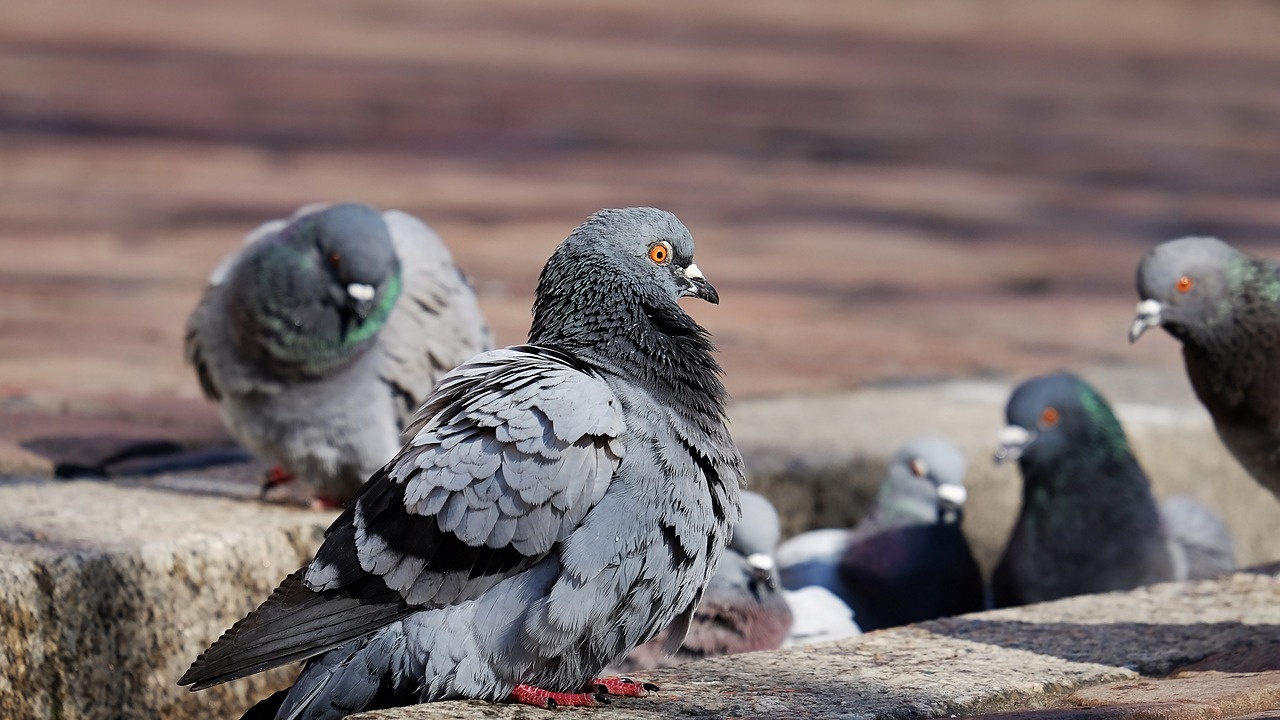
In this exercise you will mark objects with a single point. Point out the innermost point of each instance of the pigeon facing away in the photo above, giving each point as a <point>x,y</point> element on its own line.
<point>742,609</point>
<point>325,332</point>
<point>1224,307</point>
<point>559,503</point>
<point>1088,522</point>
<point>907,560</point>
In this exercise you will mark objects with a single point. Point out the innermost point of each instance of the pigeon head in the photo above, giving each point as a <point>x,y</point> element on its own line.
<point>756,536</point>
<point>355,254</point>
<point>611,292</point>
<point>1054,418</point>
<point>924,484</point>
<point>1183,283</point>
<point>315,295</point>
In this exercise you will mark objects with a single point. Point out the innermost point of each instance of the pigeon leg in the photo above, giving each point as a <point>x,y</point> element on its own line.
<point>621,686</point>
<point>275,477</point>
<point>530,695</point>
<point>324,502</point>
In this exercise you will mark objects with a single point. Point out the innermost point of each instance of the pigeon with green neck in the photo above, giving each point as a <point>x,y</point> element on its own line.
<point>1088,521</point>
<point>325,332</point>
<point>1224,307</point>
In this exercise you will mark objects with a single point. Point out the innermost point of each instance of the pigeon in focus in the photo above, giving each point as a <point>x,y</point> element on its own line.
<point>1088,521</point>
<point>558,504</point>
<point>1224,307</point>
<point>908,559</point>
<point>323,334</point>
<point>742,609</point>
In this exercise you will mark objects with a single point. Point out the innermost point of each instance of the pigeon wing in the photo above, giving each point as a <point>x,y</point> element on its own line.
<point>205,339</point>
<point>436,324</point>
<point>507,457</point>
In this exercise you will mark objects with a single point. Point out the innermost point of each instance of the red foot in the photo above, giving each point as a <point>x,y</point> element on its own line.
<point>324,502</point>
<point>530,695</point>
<point>625,687</point>
<point>277,476</point>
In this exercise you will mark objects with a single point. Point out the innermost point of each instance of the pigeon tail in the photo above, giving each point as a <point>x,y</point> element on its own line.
<point>295,623</point>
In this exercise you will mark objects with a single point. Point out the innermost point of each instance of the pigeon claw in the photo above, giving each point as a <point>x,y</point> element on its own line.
<point>546,699</point>
<point>277,476</point>
<point>624,687</point>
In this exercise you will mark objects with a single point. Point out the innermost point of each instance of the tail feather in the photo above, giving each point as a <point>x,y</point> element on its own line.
<point>295,623</point>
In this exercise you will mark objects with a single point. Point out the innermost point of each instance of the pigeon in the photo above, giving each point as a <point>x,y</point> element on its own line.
<point>742,608</point>
<point>1088,521</point>
<point>1224,307</point>
<point>323,334</point>
<point>558,503</point>
<point>908,559</point>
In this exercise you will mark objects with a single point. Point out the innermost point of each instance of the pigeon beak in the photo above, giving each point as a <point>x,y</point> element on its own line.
<point>953,495</point>
<point>361,297</point>
<point>1013,440</point>
<point>698,286</point>
<point>762,566</point>
<point>1148,316</point>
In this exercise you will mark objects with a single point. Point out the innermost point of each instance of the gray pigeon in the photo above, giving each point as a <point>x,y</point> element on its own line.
<point>908,559</point>
<point>1224,307</point>
<point>325,332</point>
<point>1088,521</point>
<point>742,609</point>
<point>559,503</point>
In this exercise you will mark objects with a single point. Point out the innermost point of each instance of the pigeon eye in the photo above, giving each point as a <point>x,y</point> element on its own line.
<point>919,467</point>
<point>335,260</point>
<point>1049,417</point>
<point>660,253</point>
<point>1184,284</point>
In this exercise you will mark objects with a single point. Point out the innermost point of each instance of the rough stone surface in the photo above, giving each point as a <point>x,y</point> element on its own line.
<point>108,593</point>
<point>1032,657</point>
<point>1194,696</point>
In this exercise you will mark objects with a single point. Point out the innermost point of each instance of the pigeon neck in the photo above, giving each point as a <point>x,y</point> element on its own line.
<point>285,320</point>
<point>1104,488</point>
<point>658,345</point>
<point>1239,341</point>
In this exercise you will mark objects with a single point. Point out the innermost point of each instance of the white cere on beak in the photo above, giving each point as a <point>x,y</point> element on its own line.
<point>361,291</point>
<point>1146,317</point>
<point>693,273</point>
<point>1013,439</point>
<point>761,561</point>
<point>953,493</point>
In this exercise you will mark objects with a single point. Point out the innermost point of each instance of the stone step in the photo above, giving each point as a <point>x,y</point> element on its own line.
<point>110,590</point>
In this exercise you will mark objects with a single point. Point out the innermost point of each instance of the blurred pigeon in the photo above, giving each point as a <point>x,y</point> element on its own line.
<point>742,609</point>
<point>908,559</point>
<point>1224,307</point>
<point>559,503</point>
<point>325,332</point>
<point>1088,521</point>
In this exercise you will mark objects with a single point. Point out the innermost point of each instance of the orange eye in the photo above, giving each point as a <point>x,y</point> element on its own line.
<point>335,260</point>
<point>660,253</point>
<point>1184,284</point>
<point>1049,417</point>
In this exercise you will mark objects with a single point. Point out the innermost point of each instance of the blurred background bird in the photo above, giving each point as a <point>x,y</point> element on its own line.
<point>320,338</point>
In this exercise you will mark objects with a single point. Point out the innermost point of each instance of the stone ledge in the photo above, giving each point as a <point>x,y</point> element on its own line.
<point>1032,657</point>
<point>108,593</point>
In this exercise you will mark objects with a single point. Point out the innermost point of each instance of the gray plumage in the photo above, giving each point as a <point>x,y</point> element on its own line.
<point>1224,307</point>
<point>1088,521</point>
<point>742,609</point>
<point>558,504</point>
<point>325,332</point>
<point>908,559</point>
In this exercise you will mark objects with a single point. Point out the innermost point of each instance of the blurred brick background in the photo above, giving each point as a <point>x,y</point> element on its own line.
<point>880,190</point>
